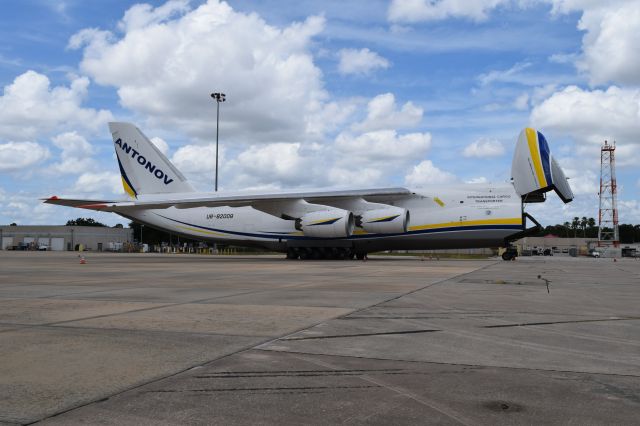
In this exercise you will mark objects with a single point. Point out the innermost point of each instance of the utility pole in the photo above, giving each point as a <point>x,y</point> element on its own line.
<point>219,97</point>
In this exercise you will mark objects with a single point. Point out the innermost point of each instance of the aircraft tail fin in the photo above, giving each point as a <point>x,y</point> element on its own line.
<point>534,170</point>
<point>144,169</point>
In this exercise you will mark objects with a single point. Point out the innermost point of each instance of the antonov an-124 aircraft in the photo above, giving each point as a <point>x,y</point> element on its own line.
<point>336,224</point>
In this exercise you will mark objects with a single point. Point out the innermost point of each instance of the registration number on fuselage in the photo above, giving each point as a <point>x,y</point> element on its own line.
<point>211,216</point>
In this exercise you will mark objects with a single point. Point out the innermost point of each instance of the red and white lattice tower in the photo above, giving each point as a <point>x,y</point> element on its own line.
<point>608,216</point>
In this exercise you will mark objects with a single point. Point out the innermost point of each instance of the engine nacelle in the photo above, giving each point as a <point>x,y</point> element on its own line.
<point>331,223</point>
<point>392,220</point>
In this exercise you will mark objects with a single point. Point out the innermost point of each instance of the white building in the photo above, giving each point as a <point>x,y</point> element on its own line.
<point>96,238</point>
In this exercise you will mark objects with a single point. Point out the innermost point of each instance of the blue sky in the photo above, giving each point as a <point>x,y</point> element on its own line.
<point>320,94</point>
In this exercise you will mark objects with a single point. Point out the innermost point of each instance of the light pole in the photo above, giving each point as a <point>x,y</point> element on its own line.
<point>219,97</point>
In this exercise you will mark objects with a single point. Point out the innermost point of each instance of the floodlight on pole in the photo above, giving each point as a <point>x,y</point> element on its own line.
<point>219,97</point>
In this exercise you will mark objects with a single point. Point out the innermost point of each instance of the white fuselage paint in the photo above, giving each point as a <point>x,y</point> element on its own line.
<point>462,216</point>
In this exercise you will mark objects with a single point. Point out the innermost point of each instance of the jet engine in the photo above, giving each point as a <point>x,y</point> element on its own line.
<point>331,223</point>
<point>391,220</point>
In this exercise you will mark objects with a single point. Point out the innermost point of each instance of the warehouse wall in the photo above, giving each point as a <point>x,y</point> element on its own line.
<point>94,238</point>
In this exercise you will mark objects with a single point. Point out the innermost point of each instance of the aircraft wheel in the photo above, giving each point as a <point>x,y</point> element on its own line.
<point>360,256</point>
<point>292,254</point>
<point>315,254</point>
<point>305,254</point>
<point>508,255</point>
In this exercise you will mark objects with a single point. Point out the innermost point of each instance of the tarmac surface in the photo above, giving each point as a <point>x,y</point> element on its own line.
<point>181,339</point>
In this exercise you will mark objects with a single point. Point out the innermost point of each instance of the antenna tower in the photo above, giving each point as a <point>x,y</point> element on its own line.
<point>608,216</point>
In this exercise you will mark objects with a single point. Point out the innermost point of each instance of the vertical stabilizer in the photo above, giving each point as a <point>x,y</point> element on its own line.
<point>144,169</point>
<point>534,170</point>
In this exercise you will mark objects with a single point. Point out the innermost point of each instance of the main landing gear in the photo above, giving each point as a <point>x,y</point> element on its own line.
<point>510,253</point>
<point>323,253</point>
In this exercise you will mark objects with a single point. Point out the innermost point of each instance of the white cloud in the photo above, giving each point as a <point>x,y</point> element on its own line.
<point>383,145</point>
<point>76,154</point>
<point>426,173</point>
<point>477,180</point>
<point>583,180</point>
<point>191,159</point>
<point>522,102</point>
<point>160,144</point>
<point>280,164</point>
<point>27,208</point>
<point>142,15</point>
<point>362,61</point>
<point>432,10</point>
<point>629,211</point>
<point>484,148</point>
<point>327,117</point>
<point>166,61</point>
<point>353,177</point>
<point>511,75</point>
<point>382,113</point>
<point>90,182</point>
<point>30,108</point>
<point>611,40</point>
<point>611,44</point>
<point>15,156</point>
<point>591,116</point>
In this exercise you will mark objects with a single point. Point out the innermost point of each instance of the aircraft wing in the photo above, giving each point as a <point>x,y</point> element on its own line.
<point>274,203</point>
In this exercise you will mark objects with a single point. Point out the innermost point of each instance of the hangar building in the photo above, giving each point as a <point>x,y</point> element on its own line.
<point>61,238</point>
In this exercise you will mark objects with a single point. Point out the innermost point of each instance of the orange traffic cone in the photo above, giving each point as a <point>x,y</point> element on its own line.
<point>82,260</point>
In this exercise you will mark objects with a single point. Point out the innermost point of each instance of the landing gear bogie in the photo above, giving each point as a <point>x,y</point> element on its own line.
<point>322,253</point>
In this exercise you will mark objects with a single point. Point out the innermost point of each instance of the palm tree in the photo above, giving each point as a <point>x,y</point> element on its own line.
<point>574,225</point>
<point>591,222</point>
<point>583,225</point>
<point>566,225</point>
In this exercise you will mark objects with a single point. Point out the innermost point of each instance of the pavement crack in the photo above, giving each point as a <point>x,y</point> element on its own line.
<point>527,324</point>
<point>261,389</point>
<point>299,373</point>
<point>384,333</point>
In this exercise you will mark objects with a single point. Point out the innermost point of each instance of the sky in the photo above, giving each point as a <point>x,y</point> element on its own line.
<point>372,93</point>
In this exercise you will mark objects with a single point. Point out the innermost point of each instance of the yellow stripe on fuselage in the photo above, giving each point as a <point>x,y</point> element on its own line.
<point>128,189</point>
<point>503,221</point>
<point>532,141</point>
<point>202,231</point>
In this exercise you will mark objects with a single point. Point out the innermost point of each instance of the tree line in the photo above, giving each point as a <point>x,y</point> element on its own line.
<point>588,228</point>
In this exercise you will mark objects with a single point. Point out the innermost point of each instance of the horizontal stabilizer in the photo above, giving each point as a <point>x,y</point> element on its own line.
<point>534,170</point>
<point>101,205</point>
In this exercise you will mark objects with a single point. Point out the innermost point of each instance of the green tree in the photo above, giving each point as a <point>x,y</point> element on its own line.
<point>583,224</point>
<point>574,225</point>
<point>81,221</point>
